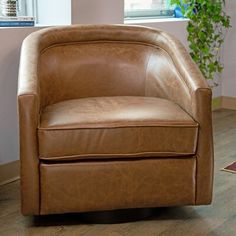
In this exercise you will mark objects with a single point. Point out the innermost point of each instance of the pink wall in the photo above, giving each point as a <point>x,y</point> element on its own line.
<point>229,54</point>
<point>97,12</point>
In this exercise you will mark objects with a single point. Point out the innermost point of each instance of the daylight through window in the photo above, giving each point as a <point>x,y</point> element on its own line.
<point>148,8</point>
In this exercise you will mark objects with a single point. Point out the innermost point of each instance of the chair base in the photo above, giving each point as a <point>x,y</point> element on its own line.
<point>116,216</point>
<point>98,217</point>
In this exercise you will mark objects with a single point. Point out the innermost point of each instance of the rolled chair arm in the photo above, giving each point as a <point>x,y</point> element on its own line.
<point>179,79</point>
<point>28,109</point>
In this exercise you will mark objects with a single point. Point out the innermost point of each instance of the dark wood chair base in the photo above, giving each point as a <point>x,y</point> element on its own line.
<point>116,216</point>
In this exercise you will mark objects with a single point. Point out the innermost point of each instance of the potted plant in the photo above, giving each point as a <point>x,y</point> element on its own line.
<point>206,31</point>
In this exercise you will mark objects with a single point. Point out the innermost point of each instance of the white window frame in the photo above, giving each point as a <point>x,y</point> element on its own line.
<point>148,13</point>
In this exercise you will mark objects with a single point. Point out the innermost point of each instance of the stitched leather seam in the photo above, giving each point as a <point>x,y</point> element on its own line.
<point>196,182</point>
<point>40,189</point>
<point>27,94</point>
<point>146,71</point>
<point>100,42</point>
<point>133,155</point>
<point>118,126</point>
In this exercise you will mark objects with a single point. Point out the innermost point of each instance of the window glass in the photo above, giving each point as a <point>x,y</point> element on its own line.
<point>148,8</point>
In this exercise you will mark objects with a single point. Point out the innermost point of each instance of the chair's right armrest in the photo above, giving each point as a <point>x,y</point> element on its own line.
<point>29,114</point>
<point>173,75</point>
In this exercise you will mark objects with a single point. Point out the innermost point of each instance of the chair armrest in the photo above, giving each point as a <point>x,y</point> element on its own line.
<point>29,114</point>
<point>172,74</point>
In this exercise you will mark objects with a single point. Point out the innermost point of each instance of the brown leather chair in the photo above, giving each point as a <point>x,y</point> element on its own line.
<point>112,117</point>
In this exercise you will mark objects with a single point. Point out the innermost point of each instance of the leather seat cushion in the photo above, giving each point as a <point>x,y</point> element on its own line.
<point>115,127</point>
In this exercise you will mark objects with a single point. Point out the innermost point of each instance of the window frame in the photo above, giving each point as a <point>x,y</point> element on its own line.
<point>148,13</point>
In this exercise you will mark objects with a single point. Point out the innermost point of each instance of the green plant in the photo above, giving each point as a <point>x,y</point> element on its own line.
<point>206,31</point>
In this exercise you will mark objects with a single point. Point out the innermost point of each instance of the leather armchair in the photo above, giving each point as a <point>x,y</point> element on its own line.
<point>111,117</point>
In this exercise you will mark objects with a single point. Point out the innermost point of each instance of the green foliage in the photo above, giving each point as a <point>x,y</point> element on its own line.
<point>206,31</point>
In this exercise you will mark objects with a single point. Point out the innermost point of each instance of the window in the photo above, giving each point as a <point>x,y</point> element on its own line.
<point>148,9</point>
<point>17,8</point>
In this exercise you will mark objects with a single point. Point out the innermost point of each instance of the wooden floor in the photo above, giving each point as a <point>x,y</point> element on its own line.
<point>217,219</point>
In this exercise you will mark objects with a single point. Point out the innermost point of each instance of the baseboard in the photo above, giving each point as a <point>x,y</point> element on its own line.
<point>216,103</point>
<point>228,102</point>
<point>9,172</point>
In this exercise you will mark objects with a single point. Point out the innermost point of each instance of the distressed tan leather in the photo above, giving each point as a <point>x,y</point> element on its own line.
<point>129,184</point>
<point>137,80</point>
<point>110,127</point>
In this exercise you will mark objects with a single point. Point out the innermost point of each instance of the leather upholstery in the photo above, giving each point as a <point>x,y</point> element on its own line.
<point>129,184</point>
<point>97,127</point>
<point>64,71</point>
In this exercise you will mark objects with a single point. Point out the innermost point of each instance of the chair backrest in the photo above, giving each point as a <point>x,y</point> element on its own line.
<point>96,60</point>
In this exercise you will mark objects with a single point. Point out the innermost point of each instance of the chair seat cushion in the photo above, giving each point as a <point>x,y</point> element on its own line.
<point>115,127</point>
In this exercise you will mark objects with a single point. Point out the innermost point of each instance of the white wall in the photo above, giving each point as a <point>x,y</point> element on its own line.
<point>176,27</point>
<point>54,12</point>
<point>97,12</point>
<point>229,54</point>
